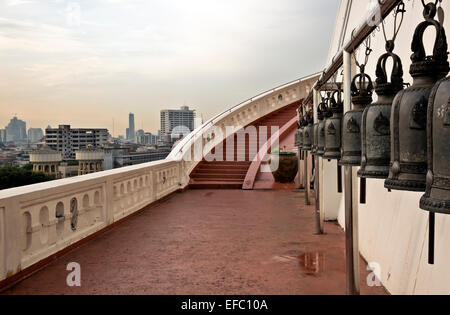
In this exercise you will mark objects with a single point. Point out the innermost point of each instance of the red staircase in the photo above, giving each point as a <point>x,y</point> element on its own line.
<point>231,174</point>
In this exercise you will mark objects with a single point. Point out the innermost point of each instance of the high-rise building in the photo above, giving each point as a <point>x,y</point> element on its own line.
<point>68,140</point>
<point>2,136</point>
<point>147,139</point>
<point>16,131</point>
<point>35,135</point>
<point>140,132</point>
<point>180,120</point>
<point>131,128</point>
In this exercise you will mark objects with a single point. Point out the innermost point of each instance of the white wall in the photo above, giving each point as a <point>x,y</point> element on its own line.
<point>393,229</point>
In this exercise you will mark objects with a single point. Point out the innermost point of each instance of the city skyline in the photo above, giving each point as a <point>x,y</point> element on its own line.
<point>86,63</point>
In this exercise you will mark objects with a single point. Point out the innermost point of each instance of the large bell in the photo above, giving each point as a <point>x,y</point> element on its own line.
<point>361,88</point>
<point>308,132</point>
<point>375,137</point>
<point>333,127</point>
<point>409,110</point>
<point>437,195</point>
<point>325,113</point>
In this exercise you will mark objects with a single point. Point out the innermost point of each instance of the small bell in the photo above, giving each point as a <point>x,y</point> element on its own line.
<point>315,146</point>
<point>375,137</point>
<point>409,110</point>
<point>333,127</point>
<point>325,113</point>
<point>361,88</point>
<point>308,132</point>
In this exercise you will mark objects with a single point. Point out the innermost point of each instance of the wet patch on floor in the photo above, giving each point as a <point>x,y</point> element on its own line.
<point>310,263</point>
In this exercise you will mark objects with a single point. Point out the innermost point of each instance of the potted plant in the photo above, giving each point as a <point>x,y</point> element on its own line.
<point>284,165</point>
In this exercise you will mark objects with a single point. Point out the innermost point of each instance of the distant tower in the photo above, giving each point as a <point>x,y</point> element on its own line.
<point>131,129</point>
<point>16,131</point>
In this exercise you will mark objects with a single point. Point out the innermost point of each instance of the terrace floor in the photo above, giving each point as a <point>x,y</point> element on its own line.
<point>209,242</point>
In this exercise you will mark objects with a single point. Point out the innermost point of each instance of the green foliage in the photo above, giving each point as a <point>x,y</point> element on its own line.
<point>276,150</point>
<point>28,167</point>
<point>280,151</point>
<point>72,163</point>
<point>11,177</point>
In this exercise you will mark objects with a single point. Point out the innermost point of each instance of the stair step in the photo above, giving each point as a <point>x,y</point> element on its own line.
<point>219,177</point>
<point>229,171</point>
<point>226,163</point>
<point>231,174</point>
<point>215,185</point>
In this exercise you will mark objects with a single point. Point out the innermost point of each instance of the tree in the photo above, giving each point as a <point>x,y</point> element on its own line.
<point>28,167</point>
<point>11,177</point>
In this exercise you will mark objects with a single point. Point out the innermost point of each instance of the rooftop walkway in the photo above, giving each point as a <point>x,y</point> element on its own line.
<point>209,242</point>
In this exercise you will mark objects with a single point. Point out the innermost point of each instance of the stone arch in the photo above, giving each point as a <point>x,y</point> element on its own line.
<point>44,220</point>
<point>26,227</point>
<point>86,201</point>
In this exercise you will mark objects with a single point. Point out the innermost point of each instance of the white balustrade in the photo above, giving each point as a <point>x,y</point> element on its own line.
<point>40,220</point>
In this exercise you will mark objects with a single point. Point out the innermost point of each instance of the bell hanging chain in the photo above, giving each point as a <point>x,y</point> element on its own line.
<point>397,25</point>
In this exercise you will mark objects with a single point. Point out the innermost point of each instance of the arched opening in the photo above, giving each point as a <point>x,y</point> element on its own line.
<point>97,198</point>
<point>44,220</point>
<point>60,216</point>
<point>26,229</point>
<point>86,201</point>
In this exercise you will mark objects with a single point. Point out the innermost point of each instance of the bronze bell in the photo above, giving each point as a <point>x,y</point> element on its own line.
<point>315,133</point>
<point>308,132</point>
<point>437,194</point>
<point>409,110</point>
<point>361,88</point>
<point>315,144</point>
<point>299,133</point>
<point>375,137</point>
<point>323,113</point>
<point>333,127</point>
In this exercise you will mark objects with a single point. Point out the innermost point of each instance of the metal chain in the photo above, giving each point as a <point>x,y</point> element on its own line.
<point>368,51</point>
<point>397,25</point>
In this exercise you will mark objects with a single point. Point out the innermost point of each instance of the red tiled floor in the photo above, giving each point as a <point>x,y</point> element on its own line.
<point>209,242</point>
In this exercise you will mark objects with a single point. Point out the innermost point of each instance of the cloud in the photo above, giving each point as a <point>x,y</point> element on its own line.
<point>26,36</point>
<point>13,3</point>
<point>148,54</point>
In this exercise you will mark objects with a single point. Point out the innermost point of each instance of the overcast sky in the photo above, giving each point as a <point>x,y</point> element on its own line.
<point>87,62</point>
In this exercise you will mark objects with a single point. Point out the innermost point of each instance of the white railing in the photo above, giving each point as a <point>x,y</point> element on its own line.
<point>40,220</point>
